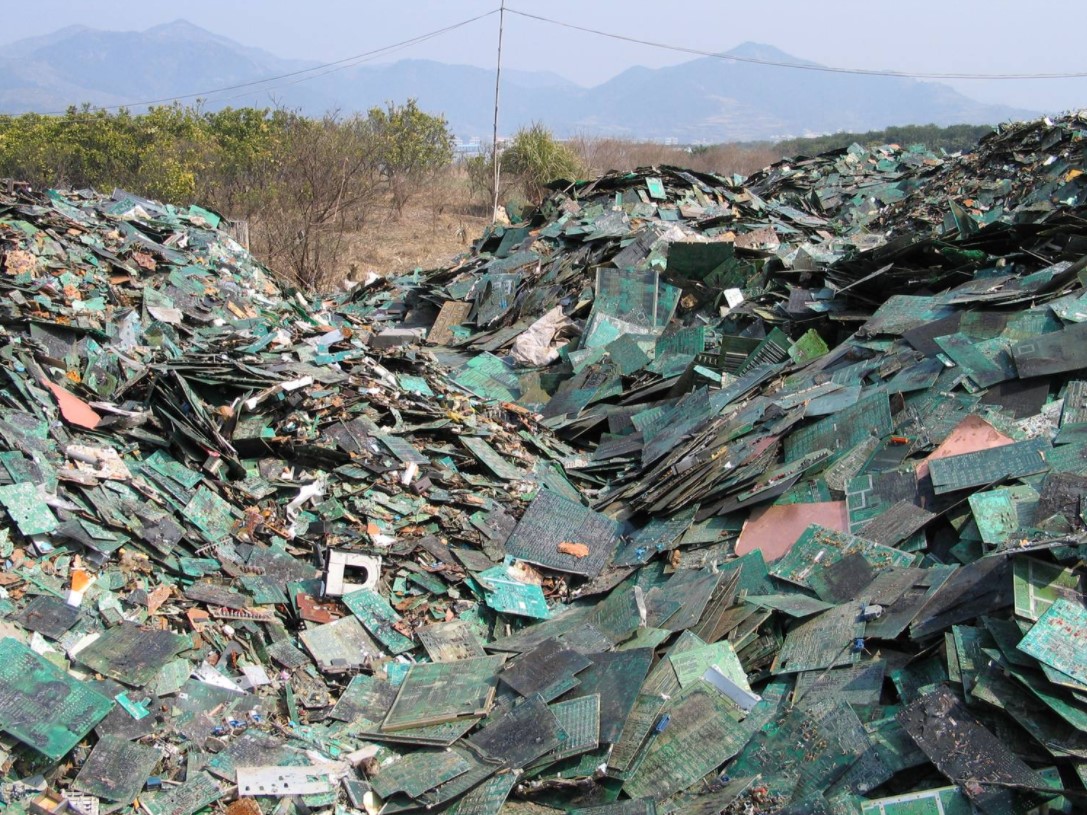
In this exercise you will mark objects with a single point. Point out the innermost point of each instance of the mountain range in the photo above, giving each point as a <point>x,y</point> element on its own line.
<point>704,100</point>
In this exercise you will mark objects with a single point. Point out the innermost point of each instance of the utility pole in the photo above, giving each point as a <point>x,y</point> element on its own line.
<point>494,134</point>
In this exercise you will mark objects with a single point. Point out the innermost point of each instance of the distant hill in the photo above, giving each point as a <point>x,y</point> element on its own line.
<point>704,100</point>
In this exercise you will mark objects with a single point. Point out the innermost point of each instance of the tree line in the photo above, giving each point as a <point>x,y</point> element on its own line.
<point>306,185</point>
<point>950,139</point>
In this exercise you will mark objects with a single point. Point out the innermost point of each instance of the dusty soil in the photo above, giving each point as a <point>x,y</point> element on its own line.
<point>425,237</point>
<point>438,223</point>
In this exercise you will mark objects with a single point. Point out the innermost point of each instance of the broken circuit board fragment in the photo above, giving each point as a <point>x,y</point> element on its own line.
<point>438,692</point>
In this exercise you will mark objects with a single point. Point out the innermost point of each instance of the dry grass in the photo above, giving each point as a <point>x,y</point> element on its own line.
<point>437,224</point>
<point>422,238</point>
<point>441,221</point>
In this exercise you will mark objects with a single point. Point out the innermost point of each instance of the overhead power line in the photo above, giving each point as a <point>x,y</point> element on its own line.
<point>384,52</point>
<point>793,65</point>
<point>324,69</point>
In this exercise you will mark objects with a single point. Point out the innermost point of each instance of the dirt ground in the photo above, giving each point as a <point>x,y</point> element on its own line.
<point>437,224</point>
<point>425,237</point>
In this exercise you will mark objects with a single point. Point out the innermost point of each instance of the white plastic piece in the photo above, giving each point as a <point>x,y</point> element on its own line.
<point>366,567</point>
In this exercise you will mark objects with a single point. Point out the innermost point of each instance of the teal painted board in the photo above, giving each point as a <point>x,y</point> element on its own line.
<point>1059,639</point>
<point>983,467</point>
<point>844,430</point>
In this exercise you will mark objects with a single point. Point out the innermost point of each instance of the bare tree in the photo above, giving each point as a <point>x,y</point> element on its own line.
<point>326,177</point>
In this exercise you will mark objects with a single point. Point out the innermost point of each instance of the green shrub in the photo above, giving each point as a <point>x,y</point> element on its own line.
<point>537,158</point>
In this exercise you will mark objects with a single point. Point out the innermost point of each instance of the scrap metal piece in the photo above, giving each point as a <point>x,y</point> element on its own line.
<point>742,697</point>
<point>49,802</point>
<point>690,665</point>
<point>81,803</point>
<point>280,781</point>
<point>253,749</point>
<point>251,614</point>
<point>347,572</point>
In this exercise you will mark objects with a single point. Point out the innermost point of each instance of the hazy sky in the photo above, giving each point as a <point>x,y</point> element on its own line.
<point>930,36</point>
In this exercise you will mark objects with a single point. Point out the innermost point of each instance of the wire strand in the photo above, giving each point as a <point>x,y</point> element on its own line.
<point>336,65</point>
<point>792,65</point>
<point>388,50</point>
